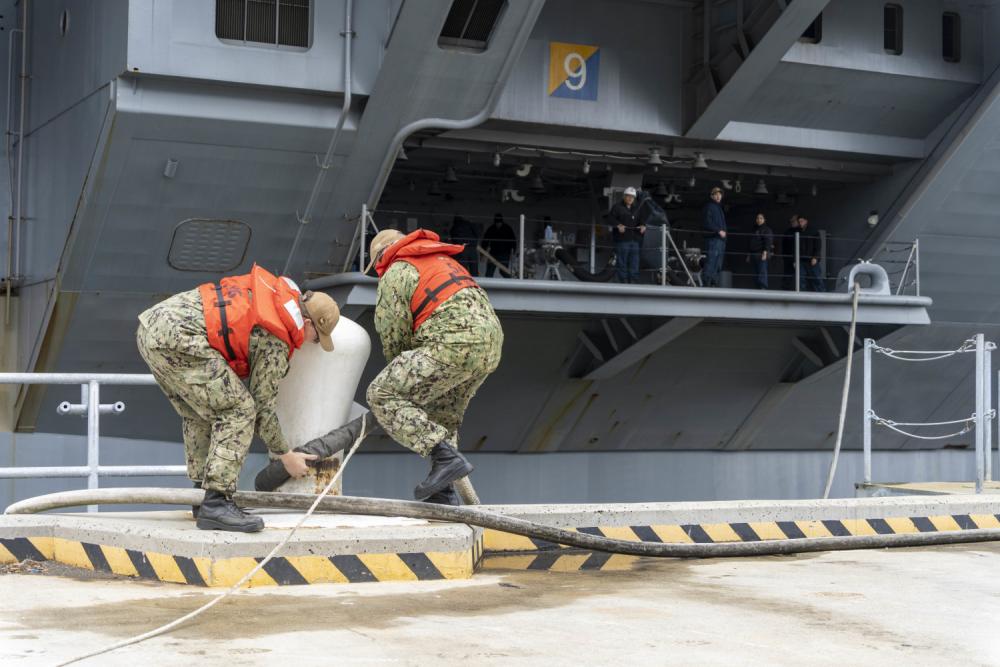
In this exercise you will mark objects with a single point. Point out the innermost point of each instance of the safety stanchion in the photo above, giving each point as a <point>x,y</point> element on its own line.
<point>979,421</point>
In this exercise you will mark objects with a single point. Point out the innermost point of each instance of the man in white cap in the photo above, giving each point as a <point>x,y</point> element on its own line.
<point>201,345</point>
<point>627,233</point>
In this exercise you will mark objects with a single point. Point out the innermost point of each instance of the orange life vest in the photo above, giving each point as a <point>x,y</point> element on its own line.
<point>440,275</point>
<point>239,303</point>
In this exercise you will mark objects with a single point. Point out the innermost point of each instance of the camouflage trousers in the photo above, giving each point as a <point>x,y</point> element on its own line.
<point>421,397</point>
<point>216,410</point>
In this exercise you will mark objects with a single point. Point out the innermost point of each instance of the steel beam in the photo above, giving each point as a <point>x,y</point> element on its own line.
<point>807,351</point>
<point>830,343</point>
<point>818,139</point>
<point>642,348</point>
<point>761,62</point>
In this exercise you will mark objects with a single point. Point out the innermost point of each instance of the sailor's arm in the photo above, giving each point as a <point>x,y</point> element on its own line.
<point>268,365</point>
<point>393,319</point>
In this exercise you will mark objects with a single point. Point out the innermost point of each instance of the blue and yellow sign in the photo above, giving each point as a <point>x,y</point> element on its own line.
<point>573,70</point>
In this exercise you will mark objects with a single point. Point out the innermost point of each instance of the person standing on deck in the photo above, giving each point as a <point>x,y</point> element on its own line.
<point>761,249</point>
<point>714,224</point>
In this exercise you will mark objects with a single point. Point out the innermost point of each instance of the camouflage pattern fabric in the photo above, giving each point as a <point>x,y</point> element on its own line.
<point>421,396</point>
<point>219,414</point>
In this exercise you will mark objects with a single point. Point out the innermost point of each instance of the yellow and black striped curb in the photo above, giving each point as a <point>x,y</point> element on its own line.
<point>280,571</point>
<point>564,560</point>
<point>706,533</point>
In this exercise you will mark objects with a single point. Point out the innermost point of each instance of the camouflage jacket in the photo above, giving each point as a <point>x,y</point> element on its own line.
<point>457,322</point>
<point>183,315</point>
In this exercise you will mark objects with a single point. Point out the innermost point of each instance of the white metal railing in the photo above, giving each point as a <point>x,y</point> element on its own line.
<point>980,421</point>
<point>901,261</point>
<point>677,262</point>
<point>90,406</point>
<point>360,237</point>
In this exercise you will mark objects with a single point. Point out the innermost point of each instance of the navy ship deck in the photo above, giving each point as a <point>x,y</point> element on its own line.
<point>356,293</point>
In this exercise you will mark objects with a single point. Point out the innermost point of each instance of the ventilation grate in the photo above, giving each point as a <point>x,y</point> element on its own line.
<point>216,246</point>
<point>275,22</point>
<point>470,23</point>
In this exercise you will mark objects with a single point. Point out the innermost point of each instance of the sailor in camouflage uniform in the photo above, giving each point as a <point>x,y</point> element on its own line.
<point>199,344</point>
<point>441,339</point>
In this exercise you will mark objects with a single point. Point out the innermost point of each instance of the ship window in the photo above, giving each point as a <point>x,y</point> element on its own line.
<point>892,24</point>
<point>814,33</point>
<point>951,37</point>
<point>470,23</point>
<point>274,22</point>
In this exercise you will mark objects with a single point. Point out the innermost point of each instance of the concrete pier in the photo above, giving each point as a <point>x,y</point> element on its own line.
<point>335,548</point>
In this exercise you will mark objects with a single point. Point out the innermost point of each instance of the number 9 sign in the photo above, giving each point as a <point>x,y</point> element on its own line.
<point>573,70</point>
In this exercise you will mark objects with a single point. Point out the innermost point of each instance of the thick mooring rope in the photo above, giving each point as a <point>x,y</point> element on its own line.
<point>844,393</point>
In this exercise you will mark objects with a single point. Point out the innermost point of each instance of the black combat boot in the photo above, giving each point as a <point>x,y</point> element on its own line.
<point>195,508</point>
<point>220,513</point>
<point>446,496</point>
<point>447,465</point>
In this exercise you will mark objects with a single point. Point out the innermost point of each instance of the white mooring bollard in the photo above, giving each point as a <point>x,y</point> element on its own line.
<point>316,397</point>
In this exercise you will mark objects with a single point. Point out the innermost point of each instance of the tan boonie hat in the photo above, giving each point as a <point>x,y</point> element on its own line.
<point>324,314</point>
<point>382,240</point>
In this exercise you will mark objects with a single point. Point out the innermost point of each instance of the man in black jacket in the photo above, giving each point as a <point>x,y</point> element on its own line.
<point>809,252</point>
<point>714,224</point>
<point>788,252</point>
<point>464,233</point>
<point>498,240</point>
<point>627,233</point>
<point>761,249</point>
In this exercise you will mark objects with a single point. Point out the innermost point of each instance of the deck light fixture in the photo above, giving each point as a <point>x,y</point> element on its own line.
<point>761,188</point>
<point>537,185</point>
<point>699,161</point>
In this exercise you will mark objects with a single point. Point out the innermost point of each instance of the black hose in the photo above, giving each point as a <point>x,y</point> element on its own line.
<point>486,519</point>
<point>274,474</point>
<point>582,274</point>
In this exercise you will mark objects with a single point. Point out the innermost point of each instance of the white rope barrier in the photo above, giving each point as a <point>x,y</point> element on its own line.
<point>934,355</point>
<point>969,424</point>
<point>908,434</point>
